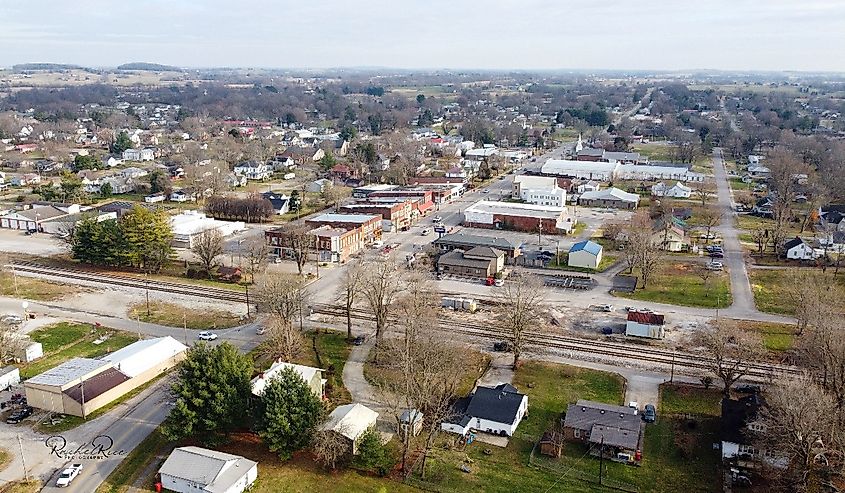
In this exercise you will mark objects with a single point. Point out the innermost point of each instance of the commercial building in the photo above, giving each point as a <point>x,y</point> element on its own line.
<point>519,217</point>
<point>609,197</point>
<point>188,225</point>
<point>610,171</point>
<point>585,254</point>
<point>200,470</point>
<point>421,198</point>
<point>595,154</point>
<point>540,190</point>
<point>480,262</point>
<point>32,218</point>
<point>369,224</point>
<point>395,216</point>
<point>80,386</point>
<point>463,241</point>
<point>313,377</point>
<point>365,191</point>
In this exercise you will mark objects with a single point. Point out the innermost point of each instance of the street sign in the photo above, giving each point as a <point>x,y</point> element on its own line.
<point>439,229</point>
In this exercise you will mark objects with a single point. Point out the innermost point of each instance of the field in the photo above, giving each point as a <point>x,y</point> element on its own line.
<point>67,340</point>
<point>33,289</point>
<point>476,364</point>
<point>175,315</point>
<point>689,399</point>
<point>771,288</point>
<point>776,338</point>
<point>676,283</point>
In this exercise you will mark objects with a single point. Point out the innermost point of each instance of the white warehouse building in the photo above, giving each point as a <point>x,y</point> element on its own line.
<point>190,224</point>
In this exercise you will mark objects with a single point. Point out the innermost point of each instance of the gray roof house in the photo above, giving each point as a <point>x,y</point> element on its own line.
<point>195,469</point>
<point>614,429</point>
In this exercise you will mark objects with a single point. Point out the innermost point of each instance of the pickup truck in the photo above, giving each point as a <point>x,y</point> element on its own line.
<point>68,474</point>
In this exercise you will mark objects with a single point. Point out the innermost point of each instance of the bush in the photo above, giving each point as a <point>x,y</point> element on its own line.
<point>372,456</point>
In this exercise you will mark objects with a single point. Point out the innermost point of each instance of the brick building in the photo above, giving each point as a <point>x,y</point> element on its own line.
<point>395,215</point>
<point>519,217</point>
<point>370,224</point>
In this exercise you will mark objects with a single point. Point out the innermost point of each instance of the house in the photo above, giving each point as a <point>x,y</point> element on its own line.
<point>118,183</point>
<point>340,172</point>
<point>585,254</point>
<point>519,217</point>
<point>351,421</point>
<point>588,186</point>
<point>132,172</point>
<point>609,197</point>
<point>482,262</point>
<point>200,470</point>
<point>154,198</point>
<point>318,186</point>
<point>798,249</point>
<point>540,190</point>
<point>313,377</point>
<point>759,171</point>
<point>253,170</point>
<point>410,421</point>
<point>496,410</point>
<point>677,191</point>
<point>645,324</point>
<point>612,431</point>
<point>234,180</point>
<point>464,241</point>
<point>80,386</point>
<point>25,179</point>
<point>183,196</point>
<point>111,161</point>
<point>341,147</point>
<point>740,423</point>
<point>669,235</point>
<point>146,154</point>
<point>280,202</point>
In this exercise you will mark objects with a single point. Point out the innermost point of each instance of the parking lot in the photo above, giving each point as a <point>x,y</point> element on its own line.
<point>41,244</point>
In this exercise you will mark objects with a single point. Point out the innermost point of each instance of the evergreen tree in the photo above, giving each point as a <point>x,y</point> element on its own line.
<point>148,235</point>
<point>121,143</point>
<point>372,454</point>
<point>212,393</point>
<point>288,413</point>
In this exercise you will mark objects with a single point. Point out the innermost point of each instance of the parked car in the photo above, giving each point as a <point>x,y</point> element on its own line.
<point>607,330</point>
<point>717,254</point>
<point>19,415</point>
<point>69,474</point>
<point>30,232</point>
<point>649,413</point>
<point>359,340</point>
<point>437,219</point>
<point>748,389</point>
<point>378,244</point>
<point>207,336</point>
<point>485,191</point>
<point>602,308</point>
<point>425,232</point>
<point>635,406</point>
<point>277,260</point>
<point>502,346</point>
<point>715,266</point>
<point>11,319</point>
<point>499,283</point>
<point>260,331</point>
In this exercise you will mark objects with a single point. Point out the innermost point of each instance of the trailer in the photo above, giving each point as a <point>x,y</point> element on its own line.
<point>459,304</point>
<point>646,324</point>
<point>9,377</point>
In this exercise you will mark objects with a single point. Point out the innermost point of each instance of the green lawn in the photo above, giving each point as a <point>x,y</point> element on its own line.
<point>738,184</point>
<point>689,399</point>
<point>59,337</point>
<point>135,462</point>
<point>770,287</point>
<point>776,337</point>
<point>676,283</point>
<point>476,364</point>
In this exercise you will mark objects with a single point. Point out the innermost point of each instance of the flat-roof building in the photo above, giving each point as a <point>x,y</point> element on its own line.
<point>519,217</point>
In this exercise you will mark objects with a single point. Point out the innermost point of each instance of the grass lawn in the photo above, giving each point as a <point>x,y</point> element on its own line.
<point>689,399</point>
<point>749,223</point>
<point>770,289</point>
<point>5,458</point>
<point>31,486</point>
<point>65,347</point>
<point>34,289</point>
<point>607,260</point>
<point>675,283</point>
<point>738,184</point>
<point>476,365</point>
<point>655,151</point>
<point>776,337</point>
<point>174,315</point>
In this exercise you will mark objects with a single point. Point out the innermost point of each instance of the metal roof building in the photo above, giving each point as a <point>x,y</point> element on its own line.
<point>196,469</point>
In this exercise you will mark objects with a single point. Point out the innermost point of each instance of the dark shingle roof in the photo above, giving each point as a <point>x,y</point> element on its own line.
<point>461,239</point>
<point>96,385</point>
<point>499,404</point>
<point>583,415</point>
<point>615,437</point>
<point>735,415</point>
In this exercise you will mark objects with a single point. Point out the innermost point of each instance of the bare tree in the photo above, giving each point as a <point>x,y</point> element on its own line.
<point>822,352</point>
<point>282,341</point>
<point>299,242</point>
<point>802,426</point>
<point>281,295</point>
<point>703,193</point>
<point>330,448</point>
<point>207,246</point>
<point>710,218</point>
<point>333,196</point>
<point>381,287</point>
<point>783,184</point>
<point>350,285</point>
<point>729,351</point>
<point>521,307</point>
<point>255,253</point>
<point>705,274</point>
<point>760,235</point>
<point>644,253</point>
<point>12,340</point>
<point>810,297</point>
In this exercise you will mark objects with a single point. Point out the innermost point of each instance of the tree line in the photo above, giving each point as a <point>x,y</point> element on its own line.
<point>251,209</point>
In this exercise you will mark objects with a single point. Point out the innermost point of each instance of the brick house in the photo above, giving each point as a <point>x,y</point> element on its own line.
<point>614,431</point>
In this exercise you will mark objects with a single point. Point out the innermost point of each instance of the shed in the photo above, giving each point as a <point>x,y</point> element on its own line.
<point>585,254</point>
<point>9,377</point>
<point>551,444</point>
<point>411,419</point>
<point>30,352</point>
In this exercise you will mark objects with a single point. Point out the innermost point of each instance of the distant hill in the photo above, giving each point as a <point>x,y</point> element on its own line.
<point>22,67</point>
<point>153,67</point>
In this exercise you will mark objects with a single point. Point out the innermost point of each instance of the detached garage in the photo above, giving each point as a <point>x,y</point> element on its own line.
<point>585,254</point>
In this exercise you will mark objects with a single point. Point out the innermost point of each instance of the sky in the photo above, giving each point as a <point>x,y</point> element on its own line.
<point>743,35</point>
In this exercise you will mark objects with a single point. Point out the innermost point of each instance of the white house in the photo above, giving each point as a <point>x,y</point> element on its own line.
<point>496,410</point>
<point>253,170</point>
<point>133,172</point>
<point>154,198</point>
<point>540,190</point>
<point>111,161</point>
<point>200,470</point>
<point>677,191</point>
<point>146,154</point>
<point>798,249</point>
<point>589,186</point>
<point>351,421</point>
<point>585,254</point>
<point>317,186</point>
<point>312,376</point>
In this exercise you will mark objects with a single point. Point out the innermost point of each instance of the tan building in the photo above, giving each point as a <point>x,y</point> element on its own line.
<point>312,376</point>
<point>476,262</point>
<point>82,385</point>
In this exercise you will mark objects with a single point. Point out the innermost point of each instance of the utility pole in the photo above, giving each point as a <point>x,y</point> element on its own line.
<point>672,372</point>
<point>23,459</point>
<point>540,234</point>
<point>147,286</point>
<point>185,324</point>
<point>557,254</point>
<point>601,460</point>
<point>15,278</point>
<point>246,286</point>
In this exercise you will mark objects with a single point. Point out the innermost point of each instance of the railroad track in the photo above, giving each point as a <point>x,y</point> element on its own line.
<point>205,292</point>
<point>552,341</point>
<point>595,347</point>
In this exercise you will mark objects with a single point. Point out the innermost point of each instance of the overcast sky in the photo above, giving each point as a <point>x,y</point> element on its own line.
<point>491,34</point>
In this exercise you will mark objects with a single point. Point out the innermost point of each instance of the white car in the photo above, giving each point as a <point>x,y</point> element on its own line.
<point>207,336</point>
<point>378,244</point>
<point>11,319</point>
<point>499,283</point>
<point>68,474</point>
<point>425,232</point>
<point>715,266</point>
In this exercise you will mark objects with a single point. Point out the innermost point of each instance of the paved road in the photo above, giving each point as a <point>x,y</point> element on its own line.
<point>743,298</point>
